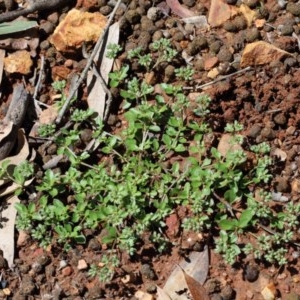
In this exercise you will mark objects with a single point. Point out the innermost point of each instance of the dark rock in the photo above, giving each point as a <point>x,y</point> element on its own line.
<point>94,245</point>
<point>252,35</point>
<point>3,263</point>
<point>225,55</point>
<point>105,10</point>
<point>36,267</point>
<point>147,25</point>
<point>240,22</point>
<point>251,273</point>
<point>132,16</point>
<point>230,26</point>
<point>86,135</point>
<point>287,29</point>
<point>144,39</point>
<point>254,131</point>
<point>215,46</point>
<point>157,35</point>
<point>169,73</point>
<point>293,8</point>
<point>216,297</point>
<point>227,293</point>
<point>27,287</point>
<point>282,185</point>
<point>148,272</point>
<point>196,45</point>
<point>47,28</point>
<point>267,133</point>
<point>212,286</point>
<point>280,119</point>
<point>251,3</point>
<point>151,288</point>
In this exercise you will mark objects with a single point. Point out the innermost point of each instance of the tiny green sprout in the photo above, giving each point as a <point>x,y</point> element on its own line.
<point>136,52</point>
<point>145,60</point>
<point>80,115</point>
<point>262,148</point>
<point>117,77</point>
<point>184,73</point>
<point>162,43</point>
<point>113,50</point>
<point>233,128</point>
<point>46,130</point>
<point>59,85</point>
<point>202,102</point>
<point>22,172</point>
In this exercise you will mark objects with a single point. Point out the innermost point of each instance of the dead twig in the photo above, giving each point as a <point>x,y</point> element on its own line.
<point>88,65</point>
<point>199,87</point>
<point>32,7</point>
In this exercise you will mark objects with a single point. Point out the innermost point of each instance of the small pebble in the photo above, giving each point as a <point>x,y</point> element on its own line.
<point>27,287</point>
<point>216,297</point>
<point>254,131</point>
<point>62,264</point>
<point>212,286</point>
<point>36,267</point>
<point>3,263</point>
<point>67,271</point>
<point>227,293</point>
<point>153,13</point>
<point>280,119</point>
<point>251,273</point>
<point>82,265</point>
<point>147,272</point>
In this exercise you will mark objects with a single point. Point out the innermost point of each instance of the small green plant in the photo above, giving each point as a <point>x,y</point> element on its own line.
<point>46,130</point>
<point>113,50</point>
<point>159,161</point>
<point>105,270</point>
<point>59,85</point>
<point>184,73</point>
<point>117,77</point>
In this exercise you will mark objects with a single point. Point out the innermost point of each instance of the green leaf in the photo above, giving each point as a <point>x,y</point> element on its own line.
<point>246,217</point>
<point>80,239</point>
<point>179,148</point>
<point>128,94</point>
<point>228,224</point>
<point>230,195</point>
<point>21,208</point>
<point>167,140</point>
<point>154,128</point>
<point>215,153</point>
<point>111,235</point>
<point>16,26</point>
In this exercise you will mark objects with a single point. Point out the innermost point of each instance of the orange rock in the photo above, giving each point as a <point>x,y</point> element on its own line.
<point>260,53</point>
<point>76,28</point>
<point>67,271</point>
<point>248,13</point>
<point>210,62</point>
<point>60,73</point>
<point>18,62</point>
<point>220,12</point>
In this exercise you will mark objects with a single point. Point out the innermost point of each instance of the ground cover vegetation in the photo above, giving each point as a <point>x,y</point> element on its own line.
<point>162,159</point>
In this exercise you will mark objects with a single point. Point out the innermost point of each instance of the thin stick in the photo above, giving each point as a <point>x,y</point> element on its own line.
<point>88,65</point>
<point>32,7</point>
<point>199,87</point>
<point>38,84</point>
